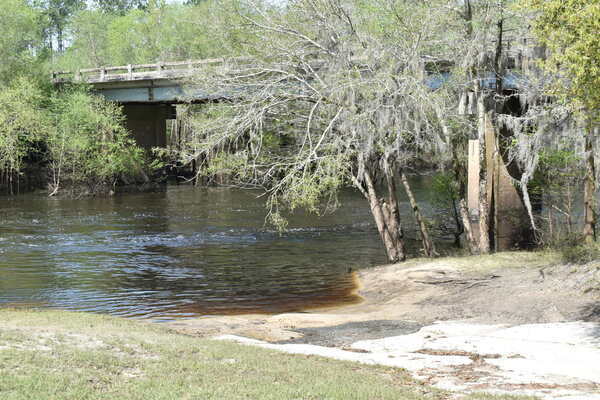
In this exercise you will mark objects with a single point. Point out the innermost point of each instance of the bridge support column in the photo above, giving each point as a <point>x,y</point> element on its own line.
<point>148,123</point>
<point>508,220</point>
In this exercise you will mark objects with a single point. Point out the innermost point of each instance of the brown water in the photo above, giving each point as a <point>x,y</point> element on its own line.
<point>181,253</point>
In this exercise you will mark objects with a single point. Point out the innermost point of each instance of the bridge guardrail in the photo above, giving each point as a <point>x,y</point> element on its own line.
<point>132,72</point>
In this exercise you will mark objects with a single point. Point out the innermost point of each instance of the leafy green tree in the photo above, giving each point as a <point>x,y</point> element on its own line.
<point>88,144</point>
<point>570,30</point>
<point>22,125</point>
<point>90,41</point>
<point>159,32</point>
<point>20,37</point>
<point>59,13</point>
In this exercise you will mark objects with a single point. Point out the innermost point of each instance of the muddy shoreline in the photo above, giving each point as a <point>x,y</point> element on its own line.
<point>506,288</point>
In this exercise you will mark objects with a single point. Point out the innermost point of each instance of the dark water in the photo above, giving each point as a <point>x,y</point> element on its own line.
<point>184,252</point>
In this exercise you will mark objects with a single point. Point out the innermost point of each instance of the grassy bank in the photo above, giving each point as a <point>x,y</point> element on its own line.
<point>503,260</point>
<point>62,355</point>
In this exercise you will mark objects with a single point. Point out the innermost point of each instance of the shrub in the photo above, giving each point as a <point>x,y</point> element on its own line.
<point>89,145</point>
<point>577,253</point>
<point>22,125</point>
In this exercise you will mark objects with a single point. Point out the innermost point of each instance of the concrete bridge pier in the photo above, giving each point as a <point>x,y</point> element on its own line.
<point>148,123</point>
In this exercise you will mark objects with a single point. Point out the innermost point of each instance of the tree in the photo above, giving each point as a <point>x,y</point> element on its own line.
<point>22,125</point>
<point>570,30</point>
<point>331,93</point>
<point>89,47</point>
<point>88,144</point>
<point>59,13</point>
<point>164,32</point>
<point>21,35</point>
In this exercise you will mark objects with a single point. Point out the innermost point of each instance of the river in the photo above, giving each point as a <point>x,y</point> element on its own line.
<point>184,252</point>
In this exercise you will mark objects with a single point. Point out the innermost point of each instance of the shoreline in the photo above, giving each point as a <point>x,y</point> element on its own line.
<point>518,323</point>
<point>444,305</point>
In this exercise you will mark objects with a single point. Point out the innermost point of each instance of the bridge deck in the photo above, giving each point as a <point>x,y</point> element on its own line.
<point>163,82</point>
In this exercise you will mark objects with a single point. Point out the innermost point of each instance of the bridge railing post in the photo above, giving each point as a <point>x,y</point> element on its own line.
<point>129,72</point>
<point>102,74</point>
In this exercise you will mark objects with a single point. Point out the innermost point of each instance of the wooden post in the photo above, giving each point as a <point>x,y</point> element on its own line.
<point>102,74</point>
<point>129,72</point>
<point>473,177</point>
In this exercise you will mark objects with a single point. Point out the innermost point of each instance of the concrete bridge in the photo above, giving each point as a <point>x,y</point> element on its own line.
<point>148,93</point>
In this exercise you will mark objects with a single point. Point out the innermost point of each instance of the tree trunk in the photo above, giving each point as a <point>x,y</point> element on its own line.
<point>471,242</point>
<point>381,220</point>
<point>428,247</point>
<point>589,229</point>
<point>393,217</point>
<point>386,215</point>
<point>484,226</point>
<point>60,40</point>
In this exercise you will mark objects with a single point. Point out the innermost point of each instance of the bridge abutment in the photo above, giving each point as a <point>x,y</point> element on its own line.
<point>148,123</point>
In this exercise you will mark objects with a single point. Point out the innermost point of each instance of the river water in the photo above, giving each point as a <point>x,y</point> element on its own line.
<point>181,253</point>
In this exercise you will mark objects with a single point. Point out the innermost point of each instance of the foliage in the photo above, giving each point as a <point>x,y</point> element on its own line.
<point>153,33</point>
<point>574,252</point>
<point>558,166</point>
<point>570,29</point>
<point>90,45</point>
<point>89,144</point>
<point>22,124</point>
<point>445,197</point>
<point>59,13</point>
<point>20,35</point>
<point>349,106</point>
<point>444,190</point>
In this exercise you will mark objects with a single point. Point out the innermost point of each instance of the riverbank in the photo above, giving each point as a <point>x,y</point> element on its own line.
<point>452,312</point>
<point>65,355</point>
<point>510,324</point>
<point>503,288</point>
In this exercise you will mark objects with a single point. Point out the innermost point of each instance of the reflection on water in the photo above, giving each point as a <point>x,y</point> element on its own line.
<point>183,252</point>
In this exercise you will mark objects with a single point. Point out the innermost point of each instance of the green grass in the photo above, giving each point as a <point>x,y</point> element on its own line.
<point>62,355</point>
<point>488,262</point>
